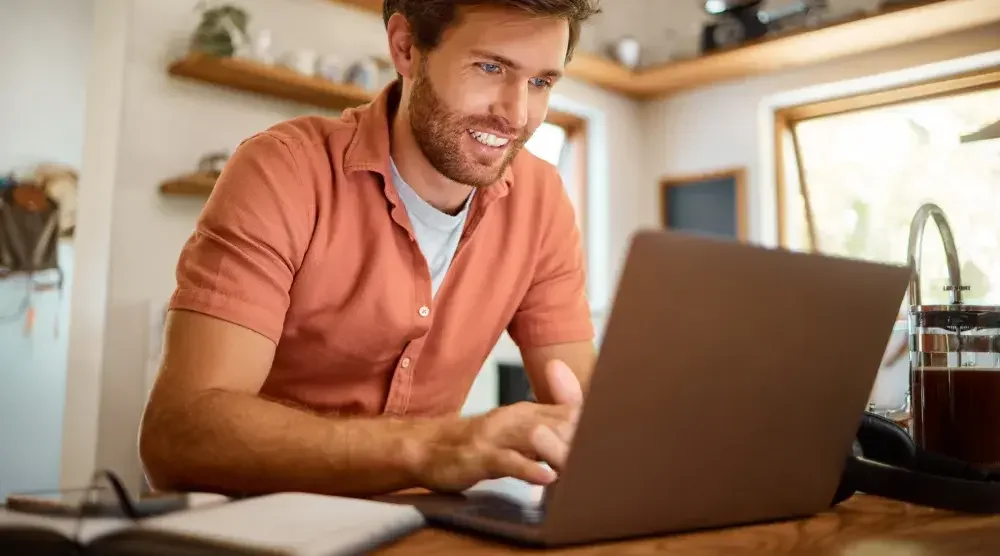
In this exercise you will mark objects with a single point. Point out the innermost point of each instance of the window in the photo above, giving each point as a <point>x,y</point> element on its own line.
<point>864,167</point>
<point>561,140</point>
<point>547,143</point>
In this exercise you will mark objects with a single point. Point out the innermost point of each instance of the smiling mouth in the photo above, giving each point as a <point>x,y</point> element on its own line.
<point>488,139</point>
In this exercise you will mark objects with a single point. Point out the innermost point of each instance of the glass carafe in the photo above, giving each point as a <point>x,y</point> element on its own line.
<point>955,381</point>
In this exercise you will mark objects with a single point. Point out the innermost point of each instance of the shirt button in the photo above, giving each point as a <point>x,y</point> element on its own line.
<point>424,311</point>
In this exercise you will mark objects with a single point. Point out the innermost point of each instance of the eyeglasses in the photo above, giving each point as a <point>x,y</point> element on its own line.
<point>105,497</point>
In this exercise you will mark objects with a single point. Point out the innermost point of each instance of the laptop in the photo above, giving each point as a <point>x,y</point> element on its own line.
<point>730,382</point>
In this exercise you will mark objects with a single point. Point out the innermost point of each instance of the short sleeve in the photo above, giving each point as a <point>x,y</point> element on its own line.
<point>555,308</point>
<point>249,240</point>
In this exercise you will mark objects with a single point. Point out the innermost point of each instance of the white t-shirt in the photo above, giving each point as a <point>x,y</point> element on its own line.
<point>437,233</point>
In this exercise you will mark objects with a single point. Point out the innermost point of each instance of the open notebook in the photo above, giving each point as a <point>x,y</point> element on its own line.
<point>287,524</point>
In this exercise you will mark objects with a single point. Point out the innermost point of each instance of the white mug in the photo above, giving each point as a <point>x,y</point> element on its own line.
<point>302,61</point>
<point>331,67</point>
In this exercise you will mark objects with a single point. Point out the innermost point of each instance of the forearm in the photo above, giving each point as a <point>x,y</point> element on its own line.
<point>580,357</point>
<point>240,443</point>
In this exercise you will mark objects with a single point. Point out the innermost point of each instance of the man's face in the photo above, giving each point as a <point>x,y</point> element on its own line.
<point>477,98</point>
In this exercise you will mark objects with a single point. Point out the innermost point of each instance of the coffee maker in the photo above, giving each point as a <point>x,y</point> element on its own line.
<point>954,388</point>
<point>946,452</point>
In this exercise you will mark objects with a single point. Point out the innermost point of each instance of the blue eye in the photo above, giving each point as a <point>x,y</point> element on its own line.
<point>540,83</point>
<point>490,68</point>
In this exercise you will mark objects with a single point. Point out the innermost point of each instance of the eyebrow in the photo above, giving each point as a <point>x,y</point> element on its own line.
<point>554,73</point>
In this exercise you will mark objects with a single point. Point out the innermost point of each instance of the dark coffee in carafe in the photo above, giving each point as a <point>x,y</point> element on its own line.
<point>955,381</point>
<point>956,412</point>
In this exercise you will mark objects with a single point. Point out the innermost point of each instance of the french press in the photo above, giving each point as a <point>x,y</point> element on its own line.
<point>954,388</point>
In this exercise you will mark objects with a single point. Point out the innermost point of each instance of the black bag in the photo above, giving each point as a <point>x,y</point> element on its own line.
<point>29,230</point>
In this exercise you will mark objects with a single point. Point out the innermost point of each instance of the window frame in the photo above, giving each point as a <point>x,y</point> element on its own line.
<point>575,128</point>
<point>785,120</point>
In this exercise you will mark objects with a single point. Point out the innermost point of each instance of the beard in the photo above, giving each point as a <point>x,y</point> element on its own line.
<point>440,134</point>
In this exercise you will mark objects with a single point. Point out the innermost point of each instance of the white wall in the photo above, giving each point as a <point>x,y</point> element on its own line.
<point>167,124</point>
<point>726,125</point>
<point>92,240</point>
<point>41,121</point>
<point>732,124</point>
<point>42,96</point>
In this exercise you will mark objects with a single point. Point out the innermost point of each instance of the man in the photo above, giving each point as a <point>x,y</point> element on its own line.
<point>347,279</point>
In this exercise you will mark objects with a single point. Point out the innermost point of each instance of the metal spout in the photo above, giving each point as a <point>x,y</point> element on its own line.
<point>915,247</point>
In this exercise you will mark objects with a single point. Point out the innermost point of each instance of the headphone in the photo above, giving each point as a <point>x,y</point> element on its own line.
<point>886,462</point>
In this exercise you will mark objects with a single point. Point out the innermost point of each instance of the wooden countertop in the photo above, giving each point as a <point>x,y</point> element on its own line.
<point>861,526</point>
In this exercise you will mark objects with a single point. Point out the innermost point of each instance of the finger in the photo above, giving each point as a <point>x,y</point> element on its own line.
<point>560,413</point>
<point>514,430</point>
<point>563,383</point>
<point>565,430</point>
<point>549,446</point>
<point>563,424</point>
<point>511,463</point>
<point>562,419</point>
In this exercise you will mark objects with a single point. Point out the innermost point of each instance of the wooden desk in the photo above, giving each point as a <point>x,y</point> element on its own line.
<point>861,526</point>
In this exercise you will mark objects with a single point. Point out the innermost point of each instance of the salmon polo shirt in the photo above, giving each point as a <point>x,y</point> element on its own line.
<point>304,240</point>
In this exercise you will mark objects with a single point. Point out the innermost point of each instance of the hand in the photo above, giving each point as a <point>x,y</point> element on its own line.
<point>508,441</point>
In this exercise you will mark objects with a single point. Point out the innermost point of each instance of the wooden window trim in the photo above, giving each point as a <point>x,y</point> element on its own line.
<point>577,137</point>
<point>926,90</point>
<point>786,119</point>
<point>571,123</point>
<point>575,128</point>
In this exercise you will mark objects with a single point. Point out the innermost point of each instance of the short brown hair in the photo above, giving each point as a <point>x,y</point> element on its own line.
<point>430,18</point>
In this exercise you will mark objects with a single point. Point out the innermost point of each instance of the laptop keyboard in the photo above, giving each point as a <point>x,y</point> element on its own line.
<point>495,507</point>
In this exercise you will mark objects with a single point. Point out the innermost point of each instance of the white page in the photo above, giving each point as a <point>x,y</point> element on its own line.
<point>294,524</point>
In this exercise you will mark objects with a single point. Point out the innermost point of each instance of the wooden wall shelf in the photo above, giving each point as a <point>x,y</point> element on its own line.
<point>275,81</point>
<point>914,21</point>
<point>367,5</point>
<point>283,83</point>
<point>199,184</point>
<point>287,84</point>
<point>585,67</point>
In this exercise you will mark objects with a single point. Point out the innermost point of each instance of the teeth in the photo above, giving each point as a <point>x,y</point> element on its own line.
<point>488,139</point>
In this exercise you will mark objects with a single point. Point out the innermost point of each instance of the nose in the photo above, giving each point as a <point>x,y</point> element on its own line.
<point>513,105</point>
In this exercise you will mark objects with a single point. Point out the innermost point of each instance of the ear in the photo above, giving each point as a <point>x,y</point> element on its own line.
<point>401,45</point>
